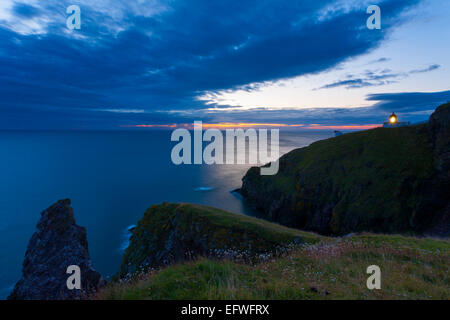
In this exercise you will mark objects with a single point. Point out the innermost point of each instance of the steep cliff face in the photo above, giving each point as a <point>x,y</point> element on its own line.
<point>380,180</point>
<point>57,244</point>
<point>170,233</point>
<point>439,130</point>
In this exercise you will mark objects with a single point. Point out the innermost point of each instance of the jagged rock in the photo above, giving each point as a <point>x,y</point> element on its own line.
<point>57,244</point>
<point>390,180</point>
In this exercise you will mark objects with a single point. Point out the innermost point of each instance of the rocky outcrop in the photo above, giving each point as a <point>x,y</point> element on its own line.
<point>57,244</point>
<point>439,128</point>
<point>171,233</point>
<point>387,180</point>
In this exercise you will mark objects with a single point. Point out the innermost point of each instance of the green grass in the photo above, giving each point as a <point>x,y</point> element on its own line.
<point>336,269</point>
<point>262,229</point>
<point>413,243</point>
<point>168,231</point>
<point>317,267</point>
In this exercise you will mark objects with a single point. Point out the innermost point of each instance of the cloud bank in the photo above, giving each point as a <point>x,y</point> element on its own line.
<point>137,62</point>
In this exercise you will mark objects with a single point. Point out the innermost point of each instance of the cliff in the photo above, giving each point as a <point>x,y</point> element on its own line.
<point>170,233</point>
<point>334,268</point>
<point>57,243</point>
<point>186,251</point>
<point>381,180</point>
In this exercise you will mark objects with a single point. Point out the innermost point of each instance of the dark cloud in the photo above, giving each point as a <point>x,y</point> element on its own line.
<point>352,83</point>
<point>162,62</point>
<point>428,69</point>
<point>25,10</point>
<point>410,101</point>
<point>367,79</point>
<point>375,78</point>
<point>380,60</point>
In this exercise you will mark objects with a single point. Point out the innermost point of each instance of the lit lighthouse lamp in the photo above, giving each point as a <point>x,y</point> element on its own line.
<point>393,122</point>
<point>393,118</point>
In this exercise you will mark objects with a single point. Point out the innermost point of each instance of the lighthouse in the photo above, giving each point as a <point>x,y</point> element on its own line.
<point>393,118</point>
<point>393,122</point>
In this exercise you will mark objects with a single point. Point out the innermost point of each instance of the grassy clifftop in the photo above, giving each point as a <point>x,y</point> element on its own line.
<point>170,233</point>
<point>314,268</point>
<point>380,180</point>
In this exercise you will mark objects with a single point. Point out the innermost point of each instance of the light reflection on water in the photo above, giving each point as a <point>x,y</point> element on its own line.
<point>111,178</point>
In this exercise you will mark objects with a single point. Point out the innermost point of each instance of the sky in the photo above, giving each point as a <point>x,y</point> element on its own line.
<point>164,64</point>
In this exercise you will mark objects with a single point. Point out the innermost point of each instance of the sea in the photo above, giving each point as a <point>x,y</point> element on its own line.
<point>111,178</point>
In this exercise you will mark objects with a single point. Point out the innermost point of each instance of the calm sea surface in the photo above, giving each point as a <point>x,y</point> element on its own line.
<point>111,178</point>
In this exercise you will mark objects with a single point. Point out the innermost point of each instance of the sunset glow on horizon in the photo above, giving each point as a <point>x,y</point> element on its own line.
<point>344,127</point>
<point>240,125</point>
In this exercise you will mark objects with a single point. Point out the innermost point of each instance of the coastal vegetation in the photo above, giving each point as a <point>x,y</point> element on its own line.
<point>315,267</point>
<point>372,198</point>
<point>391,180</point>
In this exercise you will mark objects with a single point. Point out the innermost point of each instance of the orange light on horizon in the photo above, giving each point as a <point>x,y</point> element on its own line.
<point>344,127</point>
<point>220,125</point>
<point>174,125</point>
<point>230,125</point>
<point>247,125</point>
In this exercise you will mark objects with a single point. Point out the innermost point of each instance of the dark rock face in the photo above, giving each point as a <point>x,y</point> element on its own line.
<point>391,180</point>
<point>57,244</point>
<point>439,128</point>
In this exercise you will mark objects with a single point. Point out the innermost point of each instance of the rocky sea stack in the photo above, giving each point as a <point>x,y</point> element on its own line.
<point>390,180</point>
<point>57,244</point>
